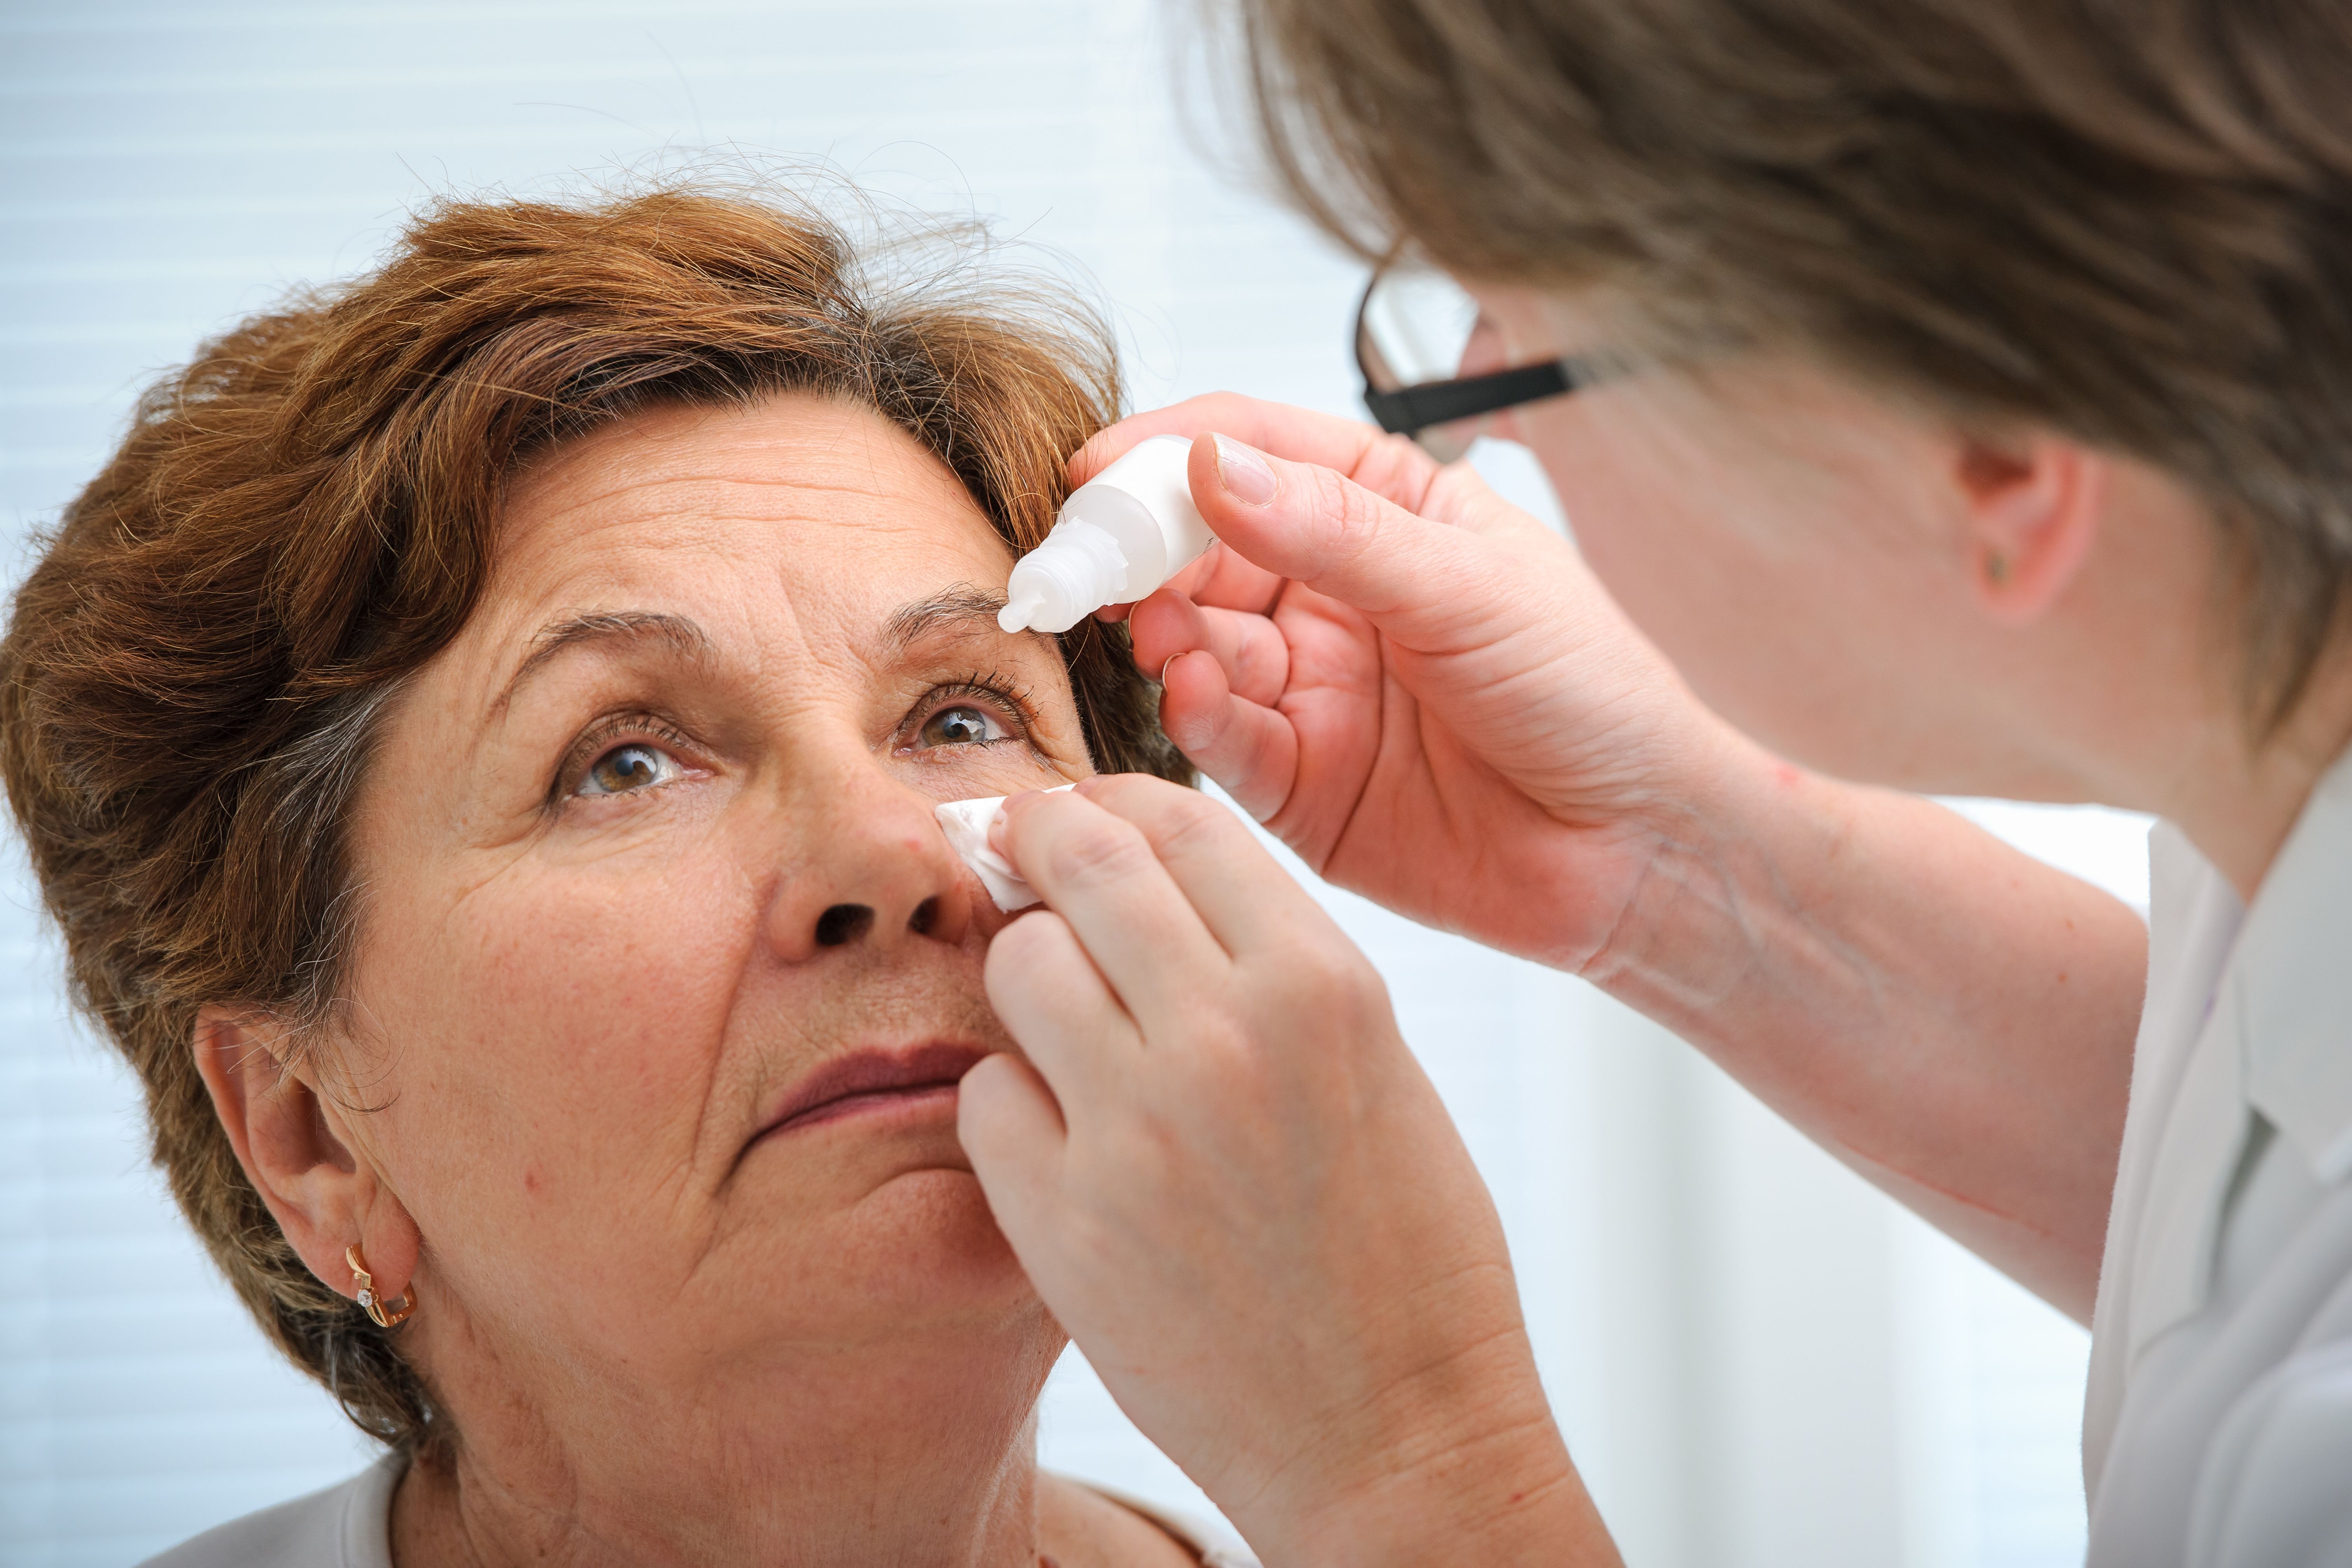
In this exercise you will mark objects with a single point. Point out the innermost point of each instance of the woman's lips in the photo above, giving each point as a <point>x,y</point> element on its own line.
<point>874,1079</point>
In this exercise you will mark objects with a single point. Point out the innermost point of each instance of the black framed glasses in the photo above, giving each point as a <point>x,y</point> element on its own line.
<point>1416,330</point>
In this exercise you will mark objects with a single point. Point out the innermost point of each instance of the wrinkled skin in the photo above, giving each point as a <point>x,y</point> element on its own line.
<point>647,848</point>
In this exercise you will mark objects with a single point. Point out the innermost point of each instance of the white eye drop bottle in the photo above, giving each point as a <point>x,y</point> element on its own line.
<point>1120,536</point>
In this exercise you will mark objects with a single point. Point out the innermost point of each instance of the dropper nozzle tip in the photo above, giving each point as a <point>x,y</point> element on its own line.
<point>1015,617</point>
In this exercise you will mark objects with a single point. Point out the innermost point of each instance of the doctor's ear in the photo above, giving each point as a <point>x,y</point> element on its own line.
<point>2032,503</point>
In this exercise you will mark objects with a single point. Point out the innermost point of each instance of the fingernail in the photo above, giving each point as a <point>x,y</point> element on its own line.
<point>1244,473</point>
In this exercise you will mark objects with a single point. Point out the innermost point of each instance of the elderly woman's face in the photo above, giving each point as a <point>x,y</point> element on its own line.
<point>666,973</point>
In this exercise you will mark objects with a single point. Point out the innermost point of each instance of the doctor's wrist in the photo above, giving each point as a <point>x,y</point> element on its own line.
<point>1707,830</point>
<point>1474,1471</point>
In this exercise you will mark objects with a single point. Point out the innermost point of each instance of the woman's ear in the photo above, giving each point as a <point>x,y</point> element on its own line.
<point>295,1144</point>
<point>2032,507</point>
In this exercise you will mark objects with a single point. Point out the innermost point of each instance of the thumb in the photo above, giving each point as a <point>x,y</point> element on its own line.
<point>1425,583</point>
<point>1012,1130</point>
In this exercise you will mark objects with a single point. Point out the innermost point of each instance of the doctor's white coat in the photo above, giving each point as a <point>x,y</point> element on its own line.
<point>2218,1431</point>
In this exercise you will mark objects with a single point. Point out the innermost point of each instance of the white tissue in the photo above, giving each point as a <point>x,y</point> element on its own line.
<point>966,824</point>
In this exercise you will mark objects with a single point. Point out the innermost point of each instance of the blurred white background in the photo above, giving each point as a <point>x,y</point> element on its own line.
<point>1758,1358</point>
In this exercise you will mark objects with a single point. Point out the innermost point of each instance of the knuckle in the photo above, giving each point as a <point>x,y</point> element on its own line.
<point>1194,728</point>
<point>1362,512</point>
<point>1331,981</point>
<point>1175,820</point>
<point>1219,408</point>
<point>1260,661</point>
<point>1116,791</point>
<point>1396,466</point>
<point>1026,945</point>
<point>1100,854</point>
<point>1235,1052</point>
<point>1351,514</point>
<point>1193,824</point>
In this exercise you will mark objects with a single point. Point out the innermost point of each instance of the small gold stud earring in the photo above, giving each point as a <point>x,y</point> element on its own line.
<point>385,1314</point>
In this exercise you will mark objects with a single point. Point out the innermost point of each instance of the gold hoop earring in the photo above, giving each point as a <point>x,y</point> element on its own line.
<point>385,1314</point>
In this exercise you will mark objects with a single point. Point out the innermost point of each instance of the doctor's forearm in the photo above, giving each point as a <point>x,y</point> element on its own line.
<point>1949,1016</point>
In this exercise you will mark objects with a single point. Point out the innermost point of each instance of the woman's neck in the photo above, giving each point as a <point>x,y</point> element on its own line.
<point>873,1454</point>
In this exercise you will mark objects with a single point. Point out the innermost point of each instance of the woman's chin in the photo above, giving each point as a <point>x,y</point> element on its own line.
<point>920,1248</point>
<point>933,1229</point>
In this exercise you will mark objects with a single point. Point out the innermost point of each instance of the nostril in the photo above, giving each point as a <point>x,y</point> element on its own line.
<point>843,924</point>
<point>926,916</point>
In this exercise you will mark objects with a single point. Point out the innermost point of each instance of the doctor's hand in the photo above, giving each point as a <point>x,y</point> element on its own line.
<point>1416,686</point>
<point>1233,1184</point>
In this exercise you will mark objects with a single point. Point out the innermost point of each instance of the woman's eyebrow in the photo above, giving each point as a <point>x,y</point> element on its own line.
<point>601,628</point>
<point>962,608</point>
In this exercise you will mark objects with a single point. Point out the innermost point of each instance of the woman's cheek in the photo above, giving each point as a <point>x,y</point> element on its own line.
<point>570,1021</point>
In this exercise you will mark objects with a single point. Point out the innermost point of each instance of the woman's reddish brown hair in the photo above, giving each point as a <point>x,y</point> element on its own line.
<point>308,512</point>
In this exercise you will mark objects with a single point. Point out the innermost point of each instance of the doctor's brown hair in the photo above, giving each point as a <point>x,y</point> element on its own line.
<point>2127,220</point>
<point>305,515</point>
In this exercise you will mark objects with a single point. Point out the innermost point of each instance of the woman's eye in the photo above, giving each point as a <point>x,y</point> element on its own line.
<point>960,726</point>
<point>624,769</point>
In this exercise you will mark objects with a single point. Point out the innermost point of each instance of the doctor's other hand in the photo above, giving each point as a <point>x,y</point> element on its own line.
<point>1415,685</point>
<point>1233,1184</point>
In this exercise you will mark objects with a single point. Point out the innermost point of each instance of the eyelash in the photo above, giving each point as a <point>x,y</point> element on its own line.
<point>602,736</point>
<point>992,686</point>
<point>1014,700</point>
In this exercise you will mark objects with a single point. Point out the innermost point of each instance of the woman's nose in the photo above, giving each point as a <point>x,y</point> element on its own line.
<point>871,870</point>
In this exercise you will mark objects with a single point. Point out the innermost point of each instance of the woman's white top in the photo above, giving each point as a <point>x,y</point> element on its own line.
<point>2218,1431</point>
<point>349,1525</point>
